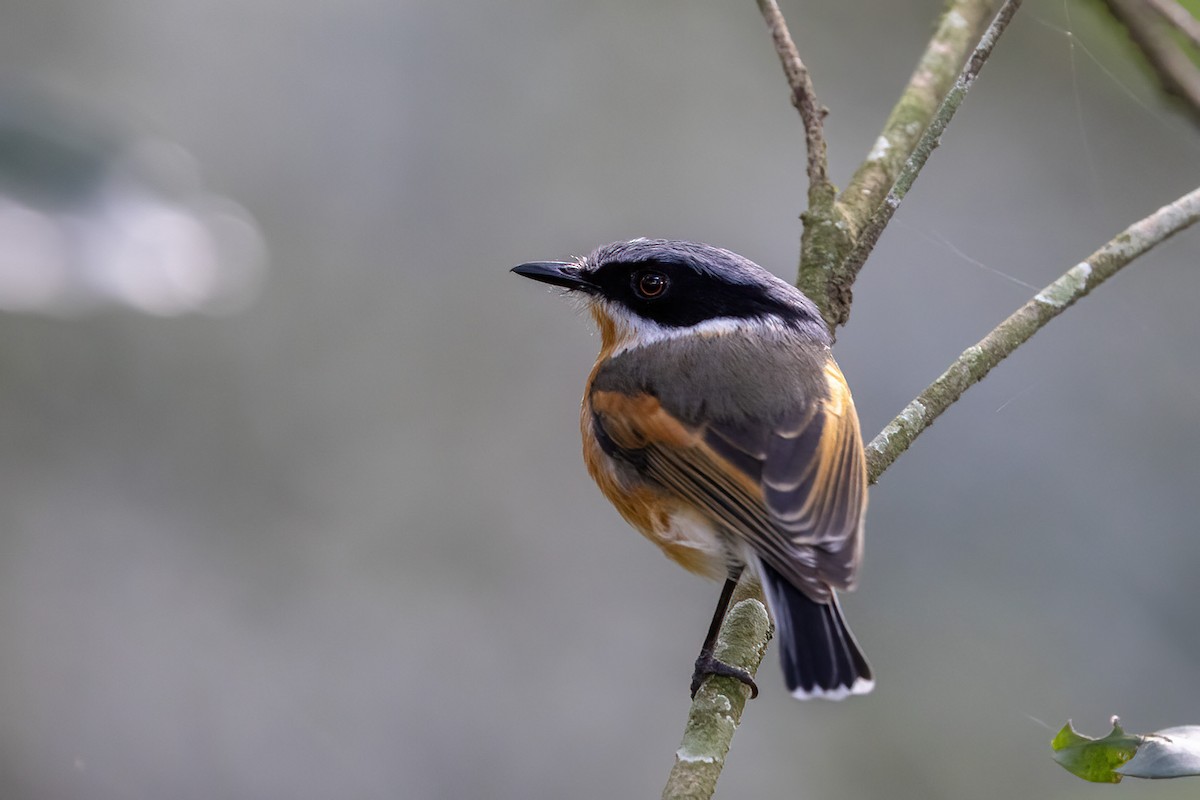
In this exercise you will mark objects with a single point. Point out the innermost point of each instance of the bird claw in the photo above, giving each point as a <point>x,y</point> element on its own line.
<point>707,665</point>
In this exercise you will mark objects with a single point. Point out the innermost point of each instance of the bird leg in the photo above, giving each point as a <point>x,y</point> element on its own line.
<point>707,664</point>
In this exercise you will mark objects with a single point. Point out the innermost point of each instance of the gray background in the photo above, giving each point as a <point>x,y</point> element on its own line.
<point>342,544</point>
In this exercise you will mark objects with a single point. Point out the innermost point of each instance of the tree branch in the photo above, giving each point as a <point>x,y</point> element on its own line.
<point>822,274</point>
<point>832,223</point>
<point>871,231</point>
<point>961,25</point>
<point>804,96</point>
<point>824,233</point>
<point>976,361</point>
<point>717,708</point>
<point>1180,17</point>
<point>1176,72</point>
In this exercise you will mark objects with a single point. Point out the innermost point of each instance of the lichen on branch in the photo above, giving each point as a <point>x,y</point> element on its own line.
<point>717,707</point>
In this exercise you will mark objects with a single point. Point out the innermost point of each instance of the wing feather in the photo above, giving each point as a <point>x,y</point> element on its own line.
<point>794,488</point>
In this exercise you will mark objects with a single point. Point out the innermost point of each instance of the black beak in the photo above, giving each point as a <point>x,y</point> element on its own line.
<point>556,273</point>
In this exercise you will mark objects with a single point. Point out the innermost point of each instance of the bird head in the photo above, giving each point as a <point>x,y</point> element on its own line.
<point>648,290</point>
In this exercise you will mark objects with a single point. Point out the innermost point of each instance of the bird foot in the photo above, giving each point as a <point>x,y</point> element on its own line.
<point>707,664</point>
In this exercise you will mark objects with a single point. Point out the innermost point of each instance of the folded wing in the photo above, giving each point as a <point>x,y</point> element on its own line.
<point>794,488</point>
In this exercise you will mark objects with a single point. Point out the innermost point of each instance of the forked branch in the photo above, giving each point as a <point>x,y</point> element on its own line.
<point>870,232</point>
<point>825,275</point>
<point>882,180</point>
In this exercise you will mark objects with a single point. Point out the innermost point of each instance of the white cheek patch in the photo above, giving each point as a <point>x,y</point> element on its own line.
<point>634,331</point>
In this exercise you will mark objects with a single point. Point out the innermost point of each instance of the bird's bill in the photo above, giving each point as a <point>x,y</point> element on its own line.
<point>556,273</point>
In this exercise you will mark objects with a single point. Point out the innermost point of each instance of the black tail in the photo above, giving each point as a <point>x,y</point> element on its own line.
<point>820,656</point>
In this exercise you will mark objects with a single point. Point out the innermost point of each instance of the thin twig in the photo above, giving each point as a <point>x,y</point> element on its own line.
<point>870,233</point>
<point>976,361</point>
<point>1180,17</point>
<point>1176,72</point>
<point>825,235</point>
<point>804,96</point>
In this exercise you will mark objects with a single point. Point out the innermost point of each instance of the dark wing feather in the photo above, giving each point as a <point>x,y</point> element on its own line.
<point>815,482</point>
<point>812,474</point>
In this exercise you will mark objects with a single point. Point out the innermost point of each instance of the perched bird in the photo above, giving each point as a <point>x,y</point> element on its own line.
<point>717,422</point>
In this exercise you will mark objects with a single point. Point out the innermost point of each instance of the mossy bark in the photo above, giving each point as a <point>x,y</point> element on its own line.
<point>717,707</point>
<point>833,226</point>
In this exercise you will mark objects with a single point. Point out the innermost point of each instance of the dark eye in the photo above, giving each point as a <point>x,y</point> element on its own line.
<point>650,285</point>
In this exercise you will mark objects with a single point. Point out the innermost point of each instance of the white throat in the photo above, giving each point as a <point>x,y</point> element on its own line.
<point>633,331</point>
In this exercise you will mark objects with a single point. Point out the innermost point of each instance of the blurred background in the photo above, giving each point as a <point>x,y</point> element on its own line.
<point>292,503</point>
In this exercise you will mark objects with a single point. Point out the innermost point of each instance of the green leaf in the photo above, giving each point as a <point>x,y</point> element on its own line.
<point>1094,760</point>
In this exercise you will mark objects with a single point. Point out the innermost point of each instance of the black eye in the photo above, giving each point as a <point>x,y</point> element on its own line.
<point>650,285</point>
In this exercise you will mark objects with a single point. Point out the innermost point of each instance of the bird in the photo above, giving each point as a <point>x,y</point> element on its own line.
<point>717,422</point>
